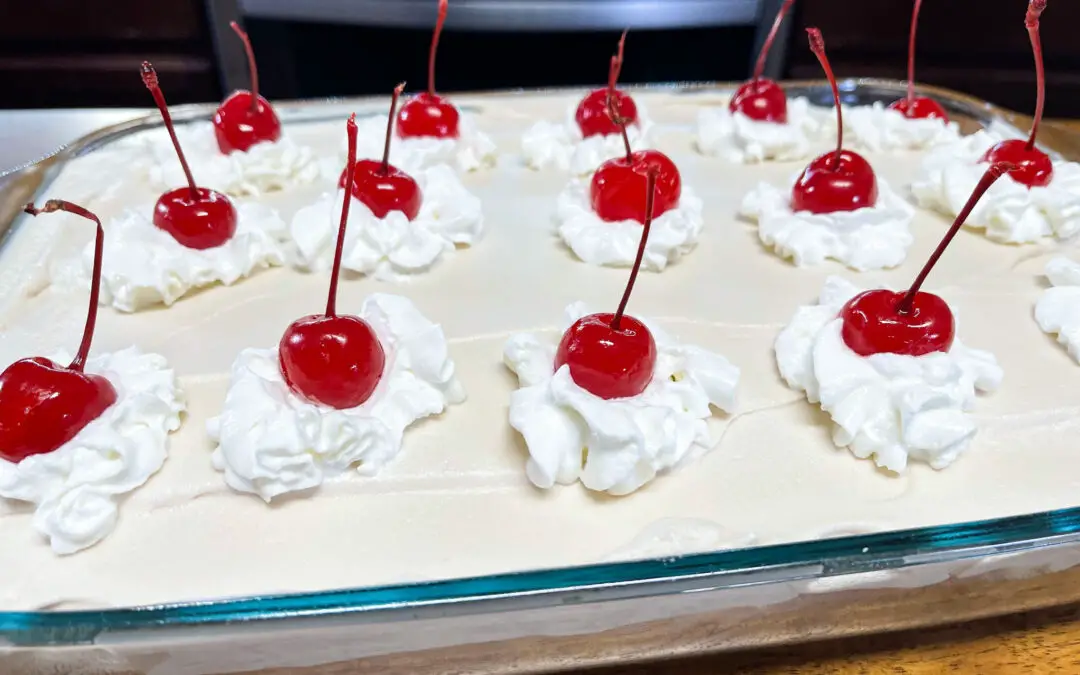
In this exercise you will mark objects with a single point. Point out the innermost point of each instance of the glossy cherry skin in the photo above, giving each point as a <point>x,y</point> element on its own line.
<point>337,361</point>
<point>382,192</point>
<point>593,117</point>
<point>872,324</point>
<point>206,222</point>
<point>238,127</point>
<point>761,100</point>
<point>619,187</point>
<point>605,362</point>
<point>43,406</point>
<point>822,189</point>
<point>1033,167</point>
<point>922,108</point>
<point>428,115</point>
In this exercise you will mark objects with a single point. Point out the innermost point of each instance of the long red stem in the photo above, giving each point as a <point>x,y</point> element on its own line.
<point>350,172</point>
<point>817,45</point>
<point>150,79</point>
<point>95,280</point>
<point>620,121</point>
<point>1035,9</point>
<point>996,170</point>
<point>615,69</point>
<point>251,64</point>
<point>911,58</point>
<point>650,187</point>
<point>443,5</point>
<point>390,128</point>
<point>759,68</point>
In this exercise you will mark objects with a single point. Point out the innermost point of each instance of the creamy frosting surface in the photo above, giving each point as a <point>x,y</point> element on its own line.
<point>1058,309</point>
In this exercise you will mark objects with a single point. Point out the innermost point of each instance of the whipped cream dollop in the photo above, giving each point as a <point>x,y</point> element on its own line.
<point>738,138</point>
<point>869,238</point>
<point>891,407</point>
<point>562,146</point>
<point>470,151</point>
<point>616,445</point>
<point>880,129</point>
<point>393,246</point>
<point>1058,310</point>
<point>1010,213</point>
<point>76,488</point>
<point>145,266</point>
<point>271,441</point>
<point>615,244</point>
<point>265,167</point>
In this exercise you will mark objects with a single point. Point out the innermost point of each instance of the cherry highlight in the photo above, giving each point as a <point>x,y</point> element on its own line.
<point>150,79</point>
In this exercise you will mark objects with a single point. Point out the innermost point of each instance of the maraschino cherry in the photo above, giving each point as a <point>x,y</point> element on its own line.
<point>1035,168</point>
<point>197,217</point>
<point>617,191</point>
<point>330,359</point>
<point>593,116</point>
<point>613,355</point>
<point>912,106</point>
<point>841,180</point>
<point>245,118</point>
<point>429,114</point>
<point>913,323</point>
<point>761,99</point>
<point>381,186</point>
<point>44,405</point>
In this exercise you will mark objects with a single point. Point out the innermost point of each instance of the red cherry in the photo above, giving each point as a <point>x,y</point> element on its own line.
<point>245,118</point>
<point>44,405</point>
<point>917,107</point>
<point>328,359</point>
<point>841,180</point>
<point>428,114</point>
<point>196,217</point>
<point>913,323</point>
<point>613,355</point>
<point>593,114</point>
<point>379,185</point>
<point>761,99</point>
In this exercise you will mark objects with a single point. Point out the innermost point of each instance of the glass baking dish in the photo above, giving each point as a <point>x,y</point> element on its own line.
<point>571,618</point>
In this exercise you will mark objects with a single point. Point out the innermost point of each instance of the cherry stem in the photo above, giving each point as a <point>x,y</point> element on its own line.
<point>759,68</point>
<point>150,79</point>
<point>339,252</point>
<point>251,64</point>
<point>911,59</point>
<point>1035,8</point>
<point>996,170</point>
<point>619,121</point>
<point>650,187</point>
<point>817,45</point>
<point>385,170</point>
<point>95,280</point>
<point>615,69</point>
<point>443,5</point>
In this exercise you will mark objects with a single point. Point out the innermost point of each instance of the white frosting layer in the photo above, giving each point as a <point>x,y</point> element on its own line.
<point>615,244</point>
<point>145,266</point>
<point>393,246</point>
<point>271,441</point>
<point>265,167</point>
<point>75,489</point>
<point>563,147</point>
<point>865,239</point>
<point>737,138</point>
<point>891,407</point>
<point>617,445</point>
<point>880,129</point>
<point>1058,310</point>
<point>1010,213</point>
<point>470,151</point>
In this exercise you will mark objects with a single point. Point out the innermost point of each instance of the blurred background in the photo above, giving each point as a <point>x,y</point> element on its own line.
<point>60,53</point>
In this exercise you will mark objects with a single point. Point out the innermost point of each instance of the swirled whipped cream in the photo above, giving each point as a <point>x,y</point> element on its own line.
<point>1058,310</point>
<point>738,138</point>
<point>880,129</point>
<point>470,151</point>
<point>870,238</point>
<point>615,244</point>
<point>616,445</point>
<point>265,167</point>
<point>271,442</point>
<point>562,146</point>
<point>891,407</point>
<point>75,489</point>
<point>1010,213</point>
<point>145,266</point>
<point>393,246</point>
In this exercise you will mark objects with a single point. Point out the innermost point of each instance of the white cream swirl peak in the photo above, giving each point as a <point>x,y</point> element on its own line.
<point>1058,309</point>
<point>738,138</point>
<point>562,145</point>
<point>877,128</point>
<point>470,150</point>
